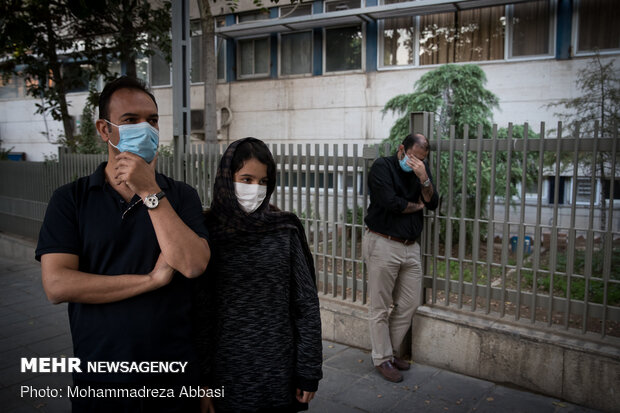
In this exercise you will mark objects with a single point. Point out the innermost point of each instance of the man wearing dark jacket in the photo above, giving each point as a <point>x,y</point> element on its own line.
<point>400,187</point>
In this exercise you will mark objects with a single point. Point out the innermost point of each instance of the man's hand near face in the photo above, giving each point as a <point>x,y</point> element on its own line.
<point>138,175</point>
<point>418,167</point>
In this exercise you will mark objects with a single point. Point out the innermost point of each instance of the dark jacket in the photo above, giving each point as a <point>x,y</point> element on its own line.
<point>258,322</point>
<point>391,189</point>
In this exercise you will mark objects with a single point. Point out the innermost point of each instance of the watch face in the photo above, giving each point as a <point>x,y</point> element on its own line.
<point>151,201</point>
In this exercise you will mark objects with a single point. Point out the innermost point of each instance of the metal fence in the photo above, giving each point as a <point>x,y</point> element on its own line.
<point>486,249</point>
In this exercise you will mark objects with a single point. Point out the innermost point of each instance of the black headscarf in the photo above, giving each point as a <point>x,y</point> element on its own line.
<point>226,218</point>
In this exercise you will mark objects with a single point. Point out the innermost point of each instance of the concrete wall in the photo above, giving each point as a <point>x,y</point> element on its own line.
<point>581,369</point>
<point>335,108</point>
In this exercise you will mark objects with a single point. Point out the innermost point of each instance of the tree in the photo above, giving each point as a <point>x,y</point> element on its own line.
<point>209,64</point>
<point>73,34</point>
<point>88,141</point>
<point>457,96</point>
<point>122,30</point>
<point>35,53</point>
<point>455,93</point>
<point>209,61</point>
<point>598,107</point>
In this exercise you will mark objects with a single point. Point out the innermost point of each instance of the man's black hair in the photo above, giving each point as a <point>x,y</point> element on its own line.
<point>415,139</point>
<point>123,82</point>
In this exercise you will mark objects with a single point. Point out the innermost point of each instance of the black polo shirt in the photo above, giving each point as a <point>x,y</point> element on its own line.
<point>391,189</point>
<point>85,218</point>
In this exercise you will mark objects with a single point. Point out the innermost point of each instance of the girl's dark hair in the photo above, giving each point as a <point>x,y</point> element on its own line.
<point>254,148</point>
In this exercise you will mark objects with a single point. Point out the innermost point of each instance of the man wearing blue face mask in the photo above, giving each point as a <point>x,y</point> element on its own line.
<point>123,246</point>
<point>400,187</point>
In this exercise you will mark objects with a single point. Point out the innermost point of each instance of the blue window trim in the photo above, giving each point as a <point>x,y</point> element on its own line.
<point>317,33</point>
<point>317,52</point>
<point>317,7</point>
<point>564,29</point>
<point>372,41</point>
<point>231,50</point>
<point>273,40</point>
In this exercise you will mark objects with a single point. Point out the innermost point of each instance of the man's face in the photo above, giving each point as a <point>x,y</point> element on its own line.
<point>416,151</point>
<point>129,106</point>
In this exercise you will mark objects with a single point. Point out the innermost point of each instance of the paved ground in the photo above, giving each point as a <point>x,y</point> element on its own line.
<point>32,327</point>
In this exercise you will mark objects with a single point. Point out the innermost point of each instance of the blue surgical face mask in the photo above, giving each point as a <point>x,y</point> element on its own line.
<point>403,164</point>
<point>139,138</point>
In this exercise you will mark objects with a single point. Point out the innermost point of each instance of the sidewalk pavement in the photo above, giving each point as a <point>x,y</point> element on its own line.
<point>32,327</point>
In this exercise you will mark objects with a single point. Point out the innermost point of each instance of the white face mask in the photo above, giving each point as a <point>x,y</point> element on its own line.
<point>250,196</point>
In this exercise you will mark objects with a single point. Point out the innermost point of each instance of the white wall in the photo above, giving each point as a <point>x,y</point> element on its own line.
<point>347,108</point>
<point>324,109</point>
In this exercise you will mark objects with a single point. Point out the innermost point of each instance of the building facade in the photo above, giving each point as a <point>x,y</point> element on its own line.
<point>321,71</point>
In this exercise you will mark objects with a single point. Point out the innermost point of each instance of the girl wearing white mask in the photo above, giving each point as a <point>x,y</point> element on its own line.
<point>257,309</point>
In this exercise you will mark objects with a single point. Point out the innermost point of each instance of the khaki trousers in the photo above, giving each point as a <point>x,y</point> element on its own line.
<point>394,279</point>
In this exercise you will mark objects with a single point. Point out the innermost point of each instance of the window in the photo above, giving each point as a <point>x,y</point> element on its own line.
<point>159,70</point>
<point>465,36</point>
<point>253,57</point>
<point>551,189</point>
<point>397,47</point>
<point>339,5</point>
<point>296,53</point>
<point>583,191</point>
<point>12,87</point>
<point>597,25</point>
<point>530,28</point>
<point>607,188</point>
<point>295,48</point>
<point>295,11</point>
<point>75,77</point>
<point>398,41</point>
<point>252,16</point>
<point>196,71</point>
<point>491,33</point>
<point>343,49</point>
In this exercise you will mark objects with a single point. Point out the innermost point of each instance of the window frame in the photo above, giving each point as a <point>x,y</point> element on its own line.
<point>151,66</point>
<point>238,57</point>
<point>508,44</point>
<point>362,68</point>
<point>279,51</point>
<point>326,2</point>
<point>239,16</point>
<point>380,47</point>
<point>308,5</point>
<point>575,37</point>
<point>200,51</point>
<point>597,192</point>
<point>18,84</point>
<point>65,65</point>
<point>508,38</point>
<point>288,76</point>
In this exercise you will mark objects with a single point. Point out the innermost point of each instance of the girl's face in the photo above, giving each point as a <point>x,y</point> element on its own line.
<point>252,172</point>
